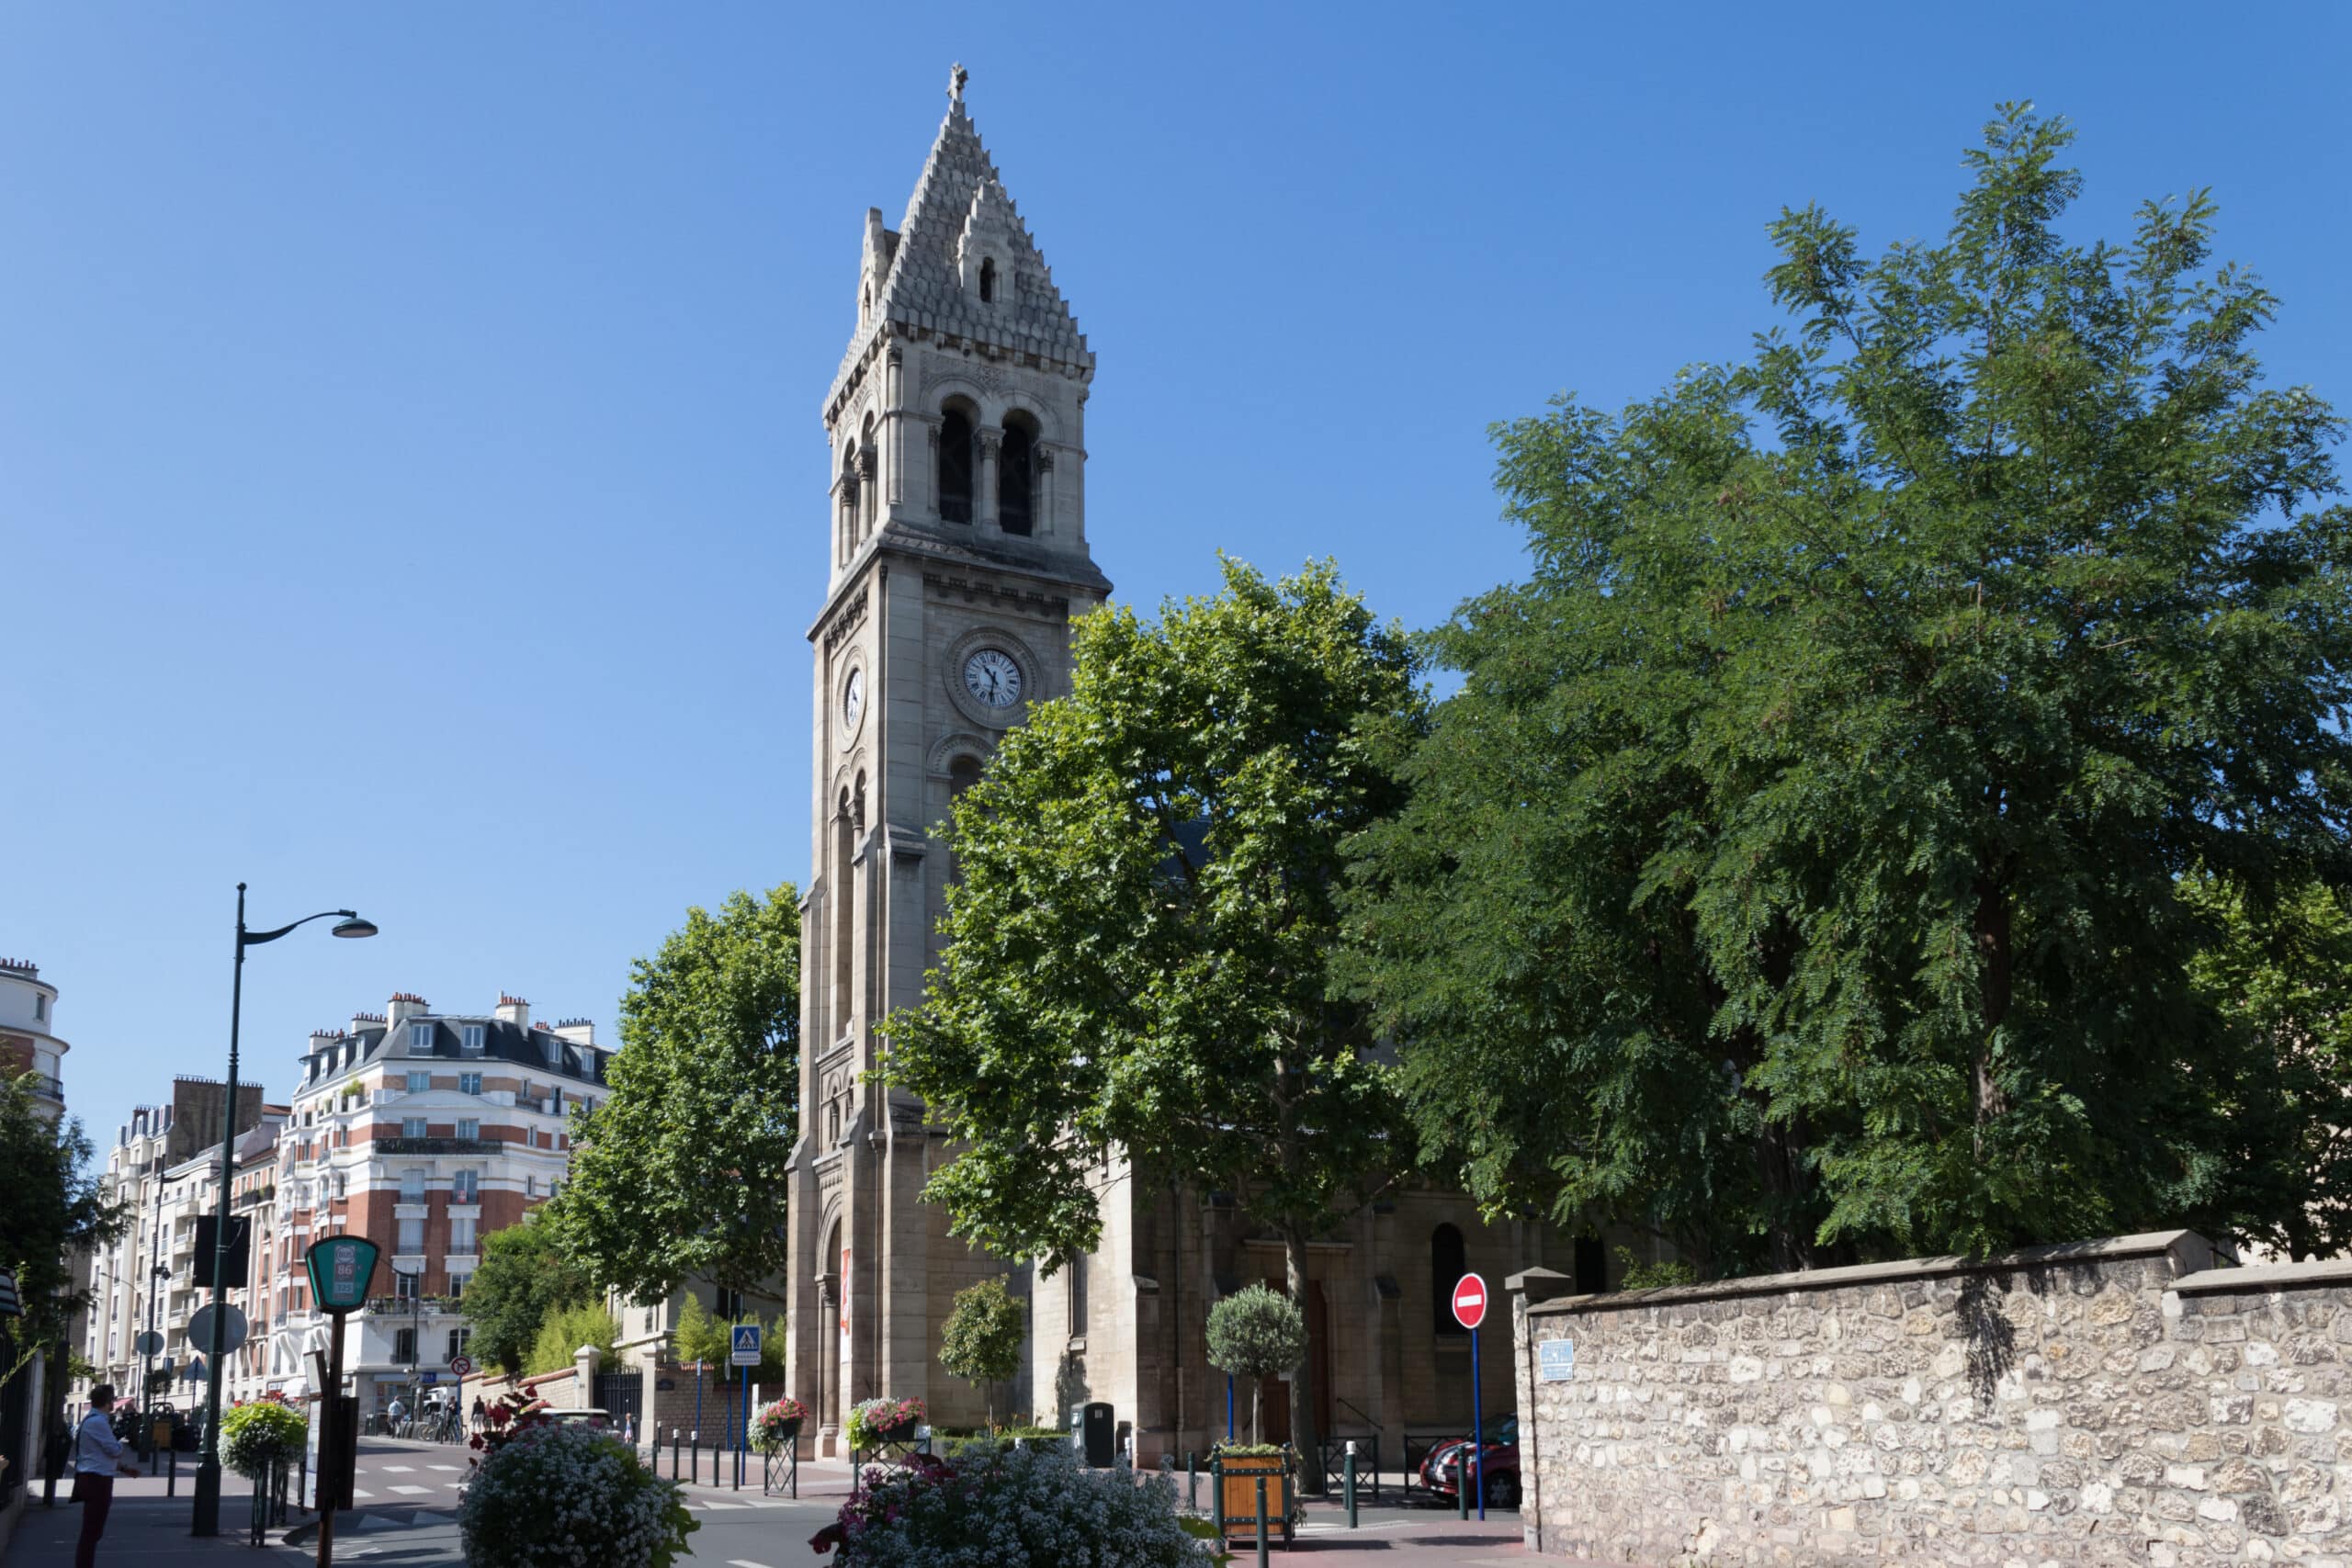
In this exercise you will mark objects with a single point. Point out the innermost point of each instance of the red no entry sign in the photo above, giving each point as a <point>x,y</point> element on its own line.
<point>1470,1300</point>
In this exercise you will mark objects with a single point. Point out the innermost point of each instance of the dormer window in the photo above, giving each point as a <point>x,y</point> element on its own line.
<point>420,1040</point>
<point>473,1037</point>
<point>987,280</point>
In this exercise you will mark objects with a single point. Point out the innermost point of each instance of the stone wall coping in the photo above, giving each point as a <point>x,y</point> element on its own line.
<point>2192,1253</point>
<point>2265,1277</point>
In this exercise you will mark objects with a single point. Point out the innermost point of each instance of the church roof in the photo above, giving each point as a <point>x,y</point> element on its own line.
<point>960,206</point>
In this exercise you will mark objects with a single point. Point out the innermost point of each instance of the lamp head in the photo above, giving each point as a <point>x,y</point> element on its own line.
<point>352,925</point>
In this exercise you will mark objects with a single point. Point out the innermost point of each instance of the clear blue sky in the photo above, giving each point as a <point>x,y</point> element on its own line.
<point>411,477</point>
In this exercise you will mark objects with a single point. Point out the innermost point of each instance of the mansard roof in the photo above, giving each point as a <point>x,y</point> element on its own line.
<point>501,1042</point>
<point>960,204</point>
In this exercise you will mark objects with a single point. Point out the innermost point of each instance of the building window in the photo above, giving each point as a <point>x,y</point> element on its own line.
<point>40,1006</point>
<point>1016,473</point>
<point>955,466</point>
<point>458,1283</point>
<point>530,1185</point>
<point>1448,1263</point>
<point>987,280</point>
<point>404,1345</point>
<point>473,1038</point>
<point>469,1083</point>
<point>420,1039</point>
<point>458,1336</point>
<point>411,1240</point>
<point>468,1127</point>
<point>413,1185</point>
<point>1078,1296</point>
<point>419,1082</point>
<point>466,1186</point>
<point>411,1126</point>
<point>726,1306</point>
<point>461,1236</point>
<point>404,1285</point>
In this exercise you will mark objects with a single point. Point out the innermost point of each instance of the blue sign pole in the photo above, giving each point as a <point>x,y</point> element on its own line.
<point>1477,1425</point>
<point>1229,1407</point>
<point>743,1428</point>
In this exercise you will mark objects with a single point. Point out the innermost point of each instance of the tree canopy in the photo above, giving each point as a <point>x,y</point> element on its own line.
<point>1799,866</point>
<point>527,1275</point>
<point>53,1209</point>
<point>981,1340</point>
<point>680,1173</point>
<point>1135,952</point>
<point>1255,1333</point>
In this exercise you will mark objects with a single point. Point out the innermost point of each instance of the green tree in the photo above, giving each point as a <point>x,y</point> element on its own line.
<point>1255,1333</point>
<point>525,1277</point>
<point>567,1329</point>
<point>681,1174</point>
<point>696,1336</point>
<point>1797,865</point>
<point>2277,971</point>
<point>981,1340</point>
<point>1135,953</point>
<point>54,1208</point>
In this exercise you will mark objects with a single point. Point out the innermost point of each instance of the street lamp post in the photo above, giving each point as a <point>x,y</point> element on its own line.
<point>208,1465</point>
<point>415,1278</point>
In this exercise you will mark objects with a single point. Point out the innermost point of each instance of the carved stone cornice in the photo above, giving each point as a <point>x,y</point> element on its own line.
<point>846,619</point>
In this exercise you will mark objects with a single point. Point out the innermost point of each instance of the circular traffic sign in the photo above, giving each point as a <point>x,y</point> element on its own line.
<point>149,1343</point>
<point>462,1365</point>
<point>1470,1300</point>
<point>199,1329</point>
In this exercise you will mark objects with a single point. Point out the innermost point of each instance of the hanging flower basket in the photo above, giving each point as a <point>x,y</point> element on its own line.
<point>777,1425</point>
<point>878,1421</point>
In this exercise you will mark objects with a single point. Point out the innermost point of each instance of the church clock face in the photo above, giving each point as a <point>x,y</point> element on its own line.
<point>992,678</point>
<point>854,699</point>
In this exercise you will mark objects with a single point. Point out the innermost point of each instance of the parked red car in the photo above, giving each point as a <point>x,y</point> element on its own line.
<point>1440,1471</point>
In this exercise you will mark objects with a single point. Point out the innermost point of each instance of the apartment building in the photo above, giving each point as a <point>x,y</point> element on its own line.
<point>164,1164</point>
<point>28,1042</point>
<point>422,1132</point>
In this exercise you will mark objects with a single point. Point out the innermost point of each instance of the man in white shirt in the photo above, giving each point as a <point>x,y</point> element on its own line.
<point>99,1458</point>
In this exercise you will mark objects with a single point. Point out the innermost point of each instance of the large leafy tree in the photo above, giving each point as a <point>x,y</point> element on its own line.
<point>53,1208</point>
<point>680,1173</point>
<point>526,1276</point>
<point>1799,863</point>
<point>1136,952</point>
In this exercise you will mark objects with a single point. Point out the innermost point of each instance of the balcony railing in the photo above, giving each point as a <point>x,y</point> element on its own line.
<point>402,1306</point>
<point>257,1199</point>
<point>435,1146</point>
<point>47,1088</point>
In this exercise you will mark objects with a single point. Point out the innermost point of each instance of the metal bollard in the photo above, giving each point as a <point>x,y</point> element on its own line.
<point>1192,1482</point>
<point>694,1459</point>
<point>674,1453</point>
<point>1216,1497</point>
<point>1261,1521</point>
<point>1350,1485</point>
<point>171,1479</point>
<point>1461,1484</point>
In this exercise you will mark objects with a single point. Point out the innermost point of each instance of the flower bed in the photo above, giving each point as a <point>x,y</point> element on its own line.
<point>550,1495</point>
<point>986,1505</point>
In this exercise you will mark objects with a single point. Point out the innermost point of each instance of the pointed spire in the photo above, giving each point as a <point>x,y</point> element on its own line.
<point>959,217</point>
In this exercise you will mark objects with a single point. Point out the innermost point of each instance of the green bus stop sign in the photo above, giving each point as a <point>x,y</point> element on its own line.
<point>340,1267</point>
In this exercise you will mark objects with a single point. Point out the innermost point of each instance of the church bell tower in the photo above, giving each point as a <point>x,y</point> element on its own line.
<point>957,547</point>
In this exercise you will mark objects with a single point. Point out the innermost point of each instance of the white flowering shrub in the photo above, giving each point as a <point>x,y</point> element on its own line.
<point>987,1506</point>
<point>564,1496</point>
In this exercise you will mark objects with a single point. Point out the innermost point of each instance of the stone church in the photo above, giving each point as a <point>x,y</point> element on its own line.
<point>958,536</point>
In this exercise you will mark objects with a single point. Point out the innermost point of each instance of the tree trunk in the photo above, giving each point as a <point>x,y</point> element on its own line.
<point>1302,1383</point>
<point>1257,1393</point>
<point>1994,950</point>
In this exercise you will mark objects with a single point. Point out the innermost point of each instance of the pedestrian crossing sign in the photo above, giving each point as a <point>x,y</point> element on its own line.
<point>746,1342</point>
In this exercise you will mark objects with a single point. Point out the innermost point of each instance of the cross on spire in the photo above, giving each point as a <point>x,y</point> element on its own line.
<point>956,77</point>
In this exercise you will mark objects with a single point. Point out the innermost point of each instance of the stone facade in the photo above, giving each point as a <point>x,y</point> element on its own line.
<point>2124,1401</point>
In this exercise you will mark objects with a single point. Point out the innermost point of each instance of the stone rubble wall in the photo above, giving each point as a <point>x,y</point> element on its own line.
<point>2112,1402</point>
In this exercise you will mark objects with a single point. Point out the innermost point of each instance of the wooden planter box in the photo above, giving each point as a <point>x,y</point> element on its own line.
<point>1237,1484</point>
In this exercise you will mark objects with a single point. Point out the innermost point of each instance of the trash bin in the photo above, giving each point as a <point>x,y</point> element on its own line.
<point>1099,1438</point>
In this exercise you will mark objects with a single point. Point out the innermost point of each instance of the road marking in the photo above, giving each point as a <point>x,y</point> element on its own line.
<point>396,1468</point>
<point>413,1490</point>
<point>743,1562</point>
<point>357,1492</point>
<point>453,1469</point>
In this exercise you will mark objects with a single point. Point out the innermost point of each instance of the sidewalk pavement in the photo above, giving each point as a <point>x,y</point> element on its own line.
<point>141,1532</point>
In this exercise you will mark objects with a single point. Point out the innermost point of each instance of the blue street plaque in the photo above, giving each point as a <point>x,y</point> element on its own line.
<point>1555,1359</point>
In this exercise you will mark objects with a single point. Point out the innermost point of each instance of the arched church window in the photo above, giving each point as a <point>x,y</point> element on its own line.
<point>849,501</point>
<point>955,466</point>
<point>858,808</point>
<point>1448,1263</point>
<point>987,280</point>
<point>962,774</point>
<point>1016,476</point>
<point>868,455</point>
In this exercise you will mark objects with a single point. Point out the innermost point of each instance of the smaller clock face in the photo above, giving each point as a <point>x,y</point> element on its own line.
<point>992,677</point>
<point>852,698</point>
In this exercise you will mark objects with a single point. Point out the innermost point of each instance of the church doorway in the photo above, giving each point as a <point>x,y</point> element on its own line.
<point>1274,1393</point>
<point>832,1360</point>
